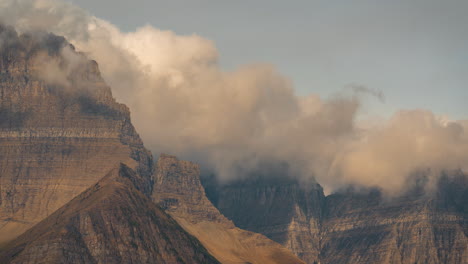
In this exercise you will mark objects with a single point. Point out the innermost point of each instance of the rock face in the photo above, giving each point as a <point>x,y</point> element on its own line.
<point>351,226</point>
<point>415,228</point>
<point>60,129</point>
<point>178,189</point>
<point>111,222</point>
<point>280,208</point>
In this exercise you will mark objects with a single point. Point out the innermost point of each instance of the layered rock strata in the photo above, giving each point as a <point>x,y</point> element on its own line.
<point>418,227</point>
<point>422,226</point>
<point>178,189</point>
<point>60,129</point>
<point>111,222</point>
<point>281,208</point>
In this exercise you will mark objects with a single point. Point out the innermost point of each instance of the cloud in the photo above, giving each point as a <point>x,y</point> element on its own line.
<point>411,141</point>
<point>236,122</point>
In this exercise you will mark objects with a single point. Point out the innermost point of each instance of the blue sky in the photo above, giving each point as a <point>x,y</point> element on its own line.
<point>415,52</point>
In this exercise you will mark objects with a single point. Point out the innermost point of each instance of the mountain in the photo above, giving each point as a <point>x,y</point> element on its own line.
<point>60,129</point>
<point>110,222</point>
<point>417,227</point>
<point>279,207</point>
<point>77,184</point>
<point>178,190</point>
<point>353,226</point>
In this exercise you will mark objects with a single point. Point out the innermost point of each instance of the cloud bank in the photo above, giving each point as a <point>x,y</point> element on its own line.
<point>234,122</point>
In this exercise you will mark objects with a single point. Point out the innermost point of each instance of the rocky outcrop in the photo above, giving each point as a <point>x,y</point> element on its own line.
<point>353,226</point>
<point>178,189</point>
<point>111,222</point>
<point>60,129</point>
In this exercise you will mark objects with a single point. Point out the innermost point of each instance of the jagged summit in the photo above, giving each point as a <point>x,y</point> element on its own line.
<point>28,52</point>
<point>60,129</point>
<point>41,64</point>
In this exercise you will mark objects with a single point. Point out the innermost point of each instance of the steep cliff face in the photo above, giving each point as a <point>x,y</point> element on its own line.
<point>281,208</point>
<point>111,222</point>
<point>60,129</point>
<point>352,226</point>
<point>416,228</point>
<point>178,189</point>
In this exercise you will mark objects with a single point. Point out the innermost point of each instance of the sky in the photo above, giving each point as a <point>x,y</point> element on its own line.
<point>414,52</point>
<point>366,94</point>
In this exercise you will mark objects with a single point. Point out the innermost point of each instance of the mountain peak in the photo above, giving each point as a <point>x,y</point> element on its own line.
<point>110,222</point>
<point>179,191</point>
<point>60,129</point>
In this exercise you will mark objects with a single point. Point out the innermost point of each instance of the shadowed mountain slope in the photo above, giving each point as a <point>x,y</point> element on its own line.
<point>179,191</point>
<point>418,227</point>
<point>278,207</point>
<point>353,226</point>
<point>111,222</point>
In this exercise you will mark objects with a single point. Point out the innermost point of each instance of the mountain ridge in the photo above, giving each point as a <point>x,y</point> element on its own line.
<point>356,226</point>
<point>58,135</point>
<point>110,222</point>
<point>61,132</point>
<point>178,189</point>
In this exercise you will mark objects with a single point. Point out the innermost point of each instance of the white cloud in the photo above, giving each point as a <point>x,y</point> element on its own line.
<point>184,104</point>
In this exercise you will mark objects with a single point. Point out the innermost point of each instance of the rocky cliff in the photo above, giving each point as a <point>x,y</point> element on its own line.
<point>60,129</point>
<point>111,222</point>
<point>418,227</point>
<point>178,189</point>
<point>353,226</point>
<point>279,207</point>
